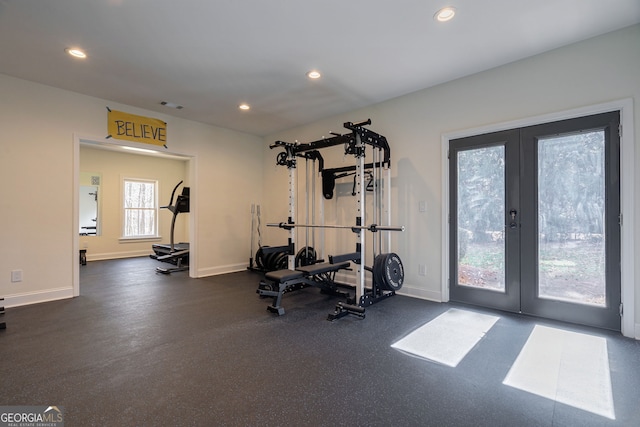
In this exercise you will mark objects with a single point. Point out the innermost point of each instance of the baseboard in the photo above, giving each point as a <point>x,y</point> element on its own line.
<point>414,292</point>
<point>203,272</point>
<point>117,255</point>
<point>637,334</point>
<point>347,277</point>
<point>222,269</point>
<point>37,297</point>
<point>406,290</point>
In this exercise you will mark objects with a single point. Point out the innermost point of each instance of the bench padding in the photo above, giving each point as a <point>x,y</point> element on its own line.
<point>283,275</point>
<point>324,267</point>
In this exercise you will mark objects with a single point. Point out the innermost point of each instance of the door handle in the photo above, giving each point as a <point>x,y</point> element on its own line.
<point>512,214</point>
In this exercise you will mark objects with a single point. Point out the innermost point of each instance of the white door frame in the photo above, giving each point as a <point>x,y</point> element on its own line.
<point>191,166</point>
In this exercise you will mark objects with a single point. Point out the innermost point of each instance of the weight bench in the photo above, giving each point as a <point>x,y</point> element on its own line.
<point>279,282</point>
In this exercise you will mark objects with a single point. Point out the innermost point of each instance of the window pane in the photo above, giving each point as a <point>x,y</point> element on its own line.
<point>139,195</point>
<point>481,201</point>
<point>571,218</point>
<point>139,222</point>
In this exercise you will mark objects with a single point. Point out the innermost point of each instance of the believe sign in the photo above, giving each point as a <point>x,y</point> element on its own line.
<point>136,128</point>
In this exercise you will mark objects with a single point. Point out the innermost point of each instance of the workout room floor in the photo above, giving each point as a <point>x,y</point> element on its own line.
<point>145,349</point>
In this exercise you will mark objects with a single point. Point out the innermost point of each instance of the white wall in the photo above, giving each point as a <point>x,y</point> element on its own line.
<point>37,163</point>
<point>595,71</point>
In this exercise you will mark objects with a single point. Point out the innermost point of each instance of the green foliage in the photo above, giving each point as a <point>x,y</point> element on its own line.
<point>570,183</point>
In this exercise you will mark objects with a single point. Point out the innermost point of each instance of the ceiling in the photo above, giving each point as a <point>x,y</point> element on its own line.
<point>211,56</point>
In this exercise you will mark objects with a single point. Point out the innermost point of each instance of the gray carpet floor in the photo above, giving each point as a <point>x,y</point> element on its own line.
<point>145,349</point>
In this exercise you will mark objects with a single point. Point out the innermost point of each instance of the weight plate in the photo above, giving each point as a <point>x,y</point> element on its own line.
<point>268,261</point>
<point>393,274</point>
<point>378,267</point>
<point>260,258</point>
<point>280,261</point>
<point>306,256</point>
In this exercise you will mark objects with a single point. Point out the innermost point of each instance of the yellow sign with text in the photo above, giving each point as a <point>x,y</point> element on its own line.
<point>135,128</point>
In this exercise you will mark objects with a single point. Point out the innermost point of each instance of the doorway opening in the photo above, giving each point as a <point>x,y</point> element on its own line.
<point>125,163</point>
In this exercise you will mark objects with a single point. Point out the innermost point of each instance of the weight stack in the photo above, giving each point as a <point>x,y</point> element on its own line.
<point>3,325</point>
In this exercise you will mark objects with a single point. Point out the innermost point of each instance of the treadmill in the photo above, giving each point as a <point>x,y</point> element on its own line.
<point>174,253</point>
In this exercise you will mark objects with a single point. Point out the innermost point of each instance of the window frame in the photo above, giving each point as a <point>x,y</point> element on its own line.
<point>124,209</point>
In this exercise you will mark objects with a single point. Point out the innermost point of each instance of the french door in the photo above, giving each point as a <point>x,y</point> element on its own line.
<point>534,220</point>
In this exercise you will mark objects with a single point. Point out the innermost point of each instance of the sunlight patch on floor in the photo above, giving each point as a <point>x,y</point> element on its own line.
<point>568,367</point>
<point>448,338</point>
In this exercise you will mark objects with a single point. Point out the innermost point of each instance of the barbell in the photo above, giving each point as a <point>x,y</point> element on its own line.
<point>372,227</point>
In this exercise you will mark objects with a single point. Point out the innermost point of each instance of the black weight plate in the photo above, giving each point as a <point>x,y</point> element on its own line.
<point>393,274</point>
<point>280,261</point>
<point>306,256</point>
<point>260,258</point>
<point>268,261</point>
<point>378,271</point>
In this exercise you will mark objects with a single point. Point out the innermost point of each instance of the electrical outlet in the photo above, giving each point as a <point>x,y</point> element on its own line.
<point>16,276</point>
<point>422,206</point>
<point>422,269</point>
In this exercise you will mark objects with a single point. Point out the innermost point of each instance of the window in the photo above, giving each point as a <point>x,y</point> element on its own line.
<point>140,208</point>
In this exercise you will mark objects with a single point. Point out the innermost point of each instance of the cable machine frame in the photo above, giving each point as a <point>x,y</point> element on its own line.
<point>355,144</point>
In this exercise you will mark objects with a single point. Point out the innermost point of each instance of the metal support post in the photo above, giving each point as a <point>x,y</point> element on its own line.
<point>387,204</point>
<point>291,166</point>
<point>360,218</point>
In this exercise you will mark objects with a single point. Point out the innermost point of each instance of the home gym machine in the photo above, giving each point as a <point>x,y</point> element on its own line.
<point>387,271</point>
<point>174,253</point>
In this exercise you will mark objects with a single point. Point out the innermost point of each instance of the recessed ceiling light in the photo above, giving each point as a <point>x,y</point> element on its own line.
<point>445,14</point>
<point>313,74</point>
<point>77,53</point>
<point>244,106</point>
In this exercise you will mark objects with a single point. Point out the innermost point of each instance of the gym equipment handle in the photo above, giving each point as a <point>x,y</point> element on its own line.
<point>173,193</point>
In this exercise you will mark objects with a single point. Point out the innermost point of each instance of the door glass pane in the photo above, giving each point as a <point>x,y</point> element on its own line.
<point>481,205</point>
<point>571,218</point>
